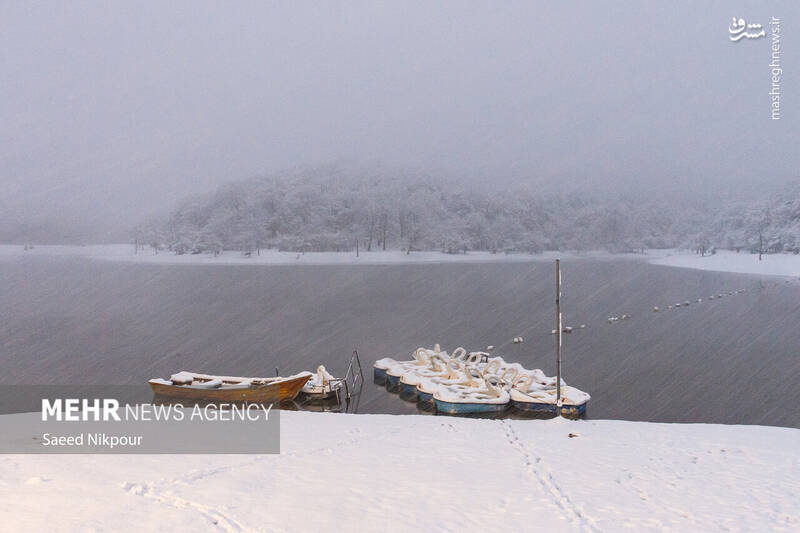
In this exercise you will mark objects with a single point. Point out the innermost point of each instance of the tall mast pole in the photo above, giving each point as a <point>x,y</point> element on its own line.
<point>558,336</point>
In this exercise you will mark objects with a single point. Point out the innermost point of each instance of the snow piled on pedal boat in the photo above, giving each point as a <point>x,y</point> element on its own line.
<point>322,385</point>
<point>475,382</point>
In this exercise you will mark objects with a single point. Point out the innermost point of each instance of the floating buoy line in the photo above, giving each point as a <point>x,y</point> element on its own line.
<point>614,319</point>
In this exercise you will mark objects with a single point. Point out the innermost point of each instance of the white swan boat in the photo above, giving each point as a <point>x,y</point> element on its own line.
<point>459,399</point>
<point>322,385</point>
<point>453,373</point>
<point>474,382</point>
<point>390,371</point>
<point>436,368</point>
<point>528,394</point>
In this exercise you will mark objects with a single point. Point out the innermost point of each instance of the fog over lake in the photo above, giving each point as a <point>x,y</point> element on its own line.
<point>113,112</point>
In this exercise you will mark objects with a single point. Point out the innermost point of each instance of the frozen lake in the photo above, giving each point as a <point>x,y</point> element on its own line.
<point>732,360</point>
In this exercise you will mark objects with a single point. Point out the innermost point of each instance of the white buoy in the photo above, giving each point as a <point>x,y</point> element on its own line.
<point>656,309</point>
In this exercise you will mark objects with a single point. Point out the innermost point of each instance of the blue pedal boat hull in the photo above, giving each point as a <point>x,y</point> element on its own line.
<point>408,391</point>
<point>392,381</point>
<point>378,374</point>
<point>571,410</point>
<point>456,408</point>
<point>424,396</point>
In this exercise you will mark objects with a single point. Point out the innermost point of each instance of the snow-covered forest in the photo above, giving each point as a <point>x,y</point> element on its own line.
<point>333,210</point>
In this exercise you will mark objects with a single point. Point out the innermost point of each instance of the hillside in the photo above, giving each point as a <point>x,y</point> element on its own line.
<point>333,210</point>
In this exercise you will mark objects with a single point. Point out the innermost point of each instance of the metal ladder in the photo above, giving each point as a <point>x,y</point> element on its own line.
<point>355,378</point>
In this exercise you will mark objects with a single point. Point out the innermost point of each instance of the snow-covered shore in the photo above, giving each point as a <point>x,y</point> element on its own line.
<point>722,261</point>
<point>727,261</point>
<point>423,473</point>
<point>125,252</point>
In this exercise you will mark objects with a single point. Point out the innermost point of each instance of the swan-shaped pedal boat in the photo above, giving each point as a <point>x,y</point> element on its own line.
<point>396,369</point>
<point>539,395</point>
<point>459,399</point>
<point>475,382</point>
<point>449,371</point>
<point>437,367</point>
<point>453,373</point>
<point>322,385</point>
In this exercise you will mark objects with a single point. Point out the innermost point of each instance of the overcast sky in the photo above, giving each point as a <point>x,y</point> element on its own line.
<point>112,111</point>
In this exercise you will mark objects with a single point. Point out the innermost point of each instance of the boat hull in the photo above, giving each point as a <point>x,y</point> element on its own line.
<point>269,393</point>
<point>456,408</point>
<point>423,396</point>
<point>573,410</point>
<point>392,381</point>
<point>326,394</point>
<point>379,375</point>
<point>408,391</point>
<point>569,410</point>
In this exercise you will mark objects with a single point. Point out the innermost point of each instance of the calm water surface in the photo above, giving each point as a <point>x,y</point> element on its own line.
<point>732,360</point>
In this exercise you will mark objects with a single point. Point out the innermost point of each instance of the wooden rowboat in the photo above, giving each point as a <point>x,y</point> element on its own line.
<point>228,389</point>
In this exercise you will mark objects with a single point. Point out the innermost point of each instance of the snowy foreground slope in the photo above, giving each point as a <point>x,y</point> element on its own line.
<point>423,473</point>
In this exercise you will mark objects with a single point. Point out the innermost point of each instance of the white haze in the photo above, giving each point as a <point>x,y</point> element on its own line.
<point>112,112</point>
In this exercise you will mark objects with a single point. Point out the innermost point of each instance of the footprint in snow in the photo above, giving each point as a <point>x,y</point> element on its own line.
<point>134,488</point>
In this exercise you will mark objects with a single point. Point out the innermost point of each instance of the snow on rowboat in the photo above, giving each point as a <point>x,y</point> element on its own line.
<point>204,387</point>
